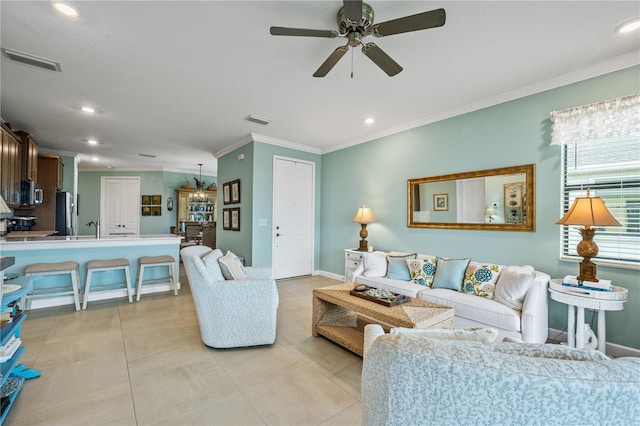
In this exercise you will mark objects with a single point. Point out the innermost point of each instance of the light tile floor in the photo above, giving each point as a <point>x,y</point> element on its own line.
<point>144,364</point>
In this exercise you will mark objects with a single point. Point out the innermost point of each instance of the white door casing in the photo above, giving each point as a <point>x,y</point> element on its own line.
<point>120,205</point>
<point>293,217</point>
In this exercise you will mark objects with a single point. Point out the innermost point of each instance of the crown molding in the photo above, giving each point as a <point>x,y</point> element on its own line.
<point>614,64</point>
<point>256,137</point>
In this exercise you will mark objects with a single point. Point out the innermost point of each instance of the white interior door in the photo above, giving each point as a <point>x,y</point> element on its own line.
<point>120,205</point>
<point>293,217</point>
<point>470,200</point>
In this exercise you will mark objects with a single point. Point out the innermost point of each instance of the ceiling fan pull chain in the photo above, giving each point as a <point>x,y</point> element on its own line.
<point>351,64</point>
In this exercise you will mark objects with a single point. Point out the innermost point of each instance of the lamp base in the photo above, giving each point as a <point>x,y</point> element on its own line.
<point>364,245</point>
<point>587,271</point>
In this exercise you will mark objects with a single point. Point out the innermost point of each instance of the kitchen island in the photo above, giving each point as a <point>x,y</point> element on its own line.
<point>28,250</point>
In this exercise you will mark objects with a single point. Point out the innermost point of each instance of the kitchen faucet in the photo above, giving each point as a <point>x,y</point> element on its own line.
<point>96,223</point>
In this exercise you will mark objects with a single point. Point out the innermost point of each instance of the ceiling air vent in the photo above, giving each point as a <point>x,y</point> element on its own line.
<point>28,59</point>
<point>259,120</point>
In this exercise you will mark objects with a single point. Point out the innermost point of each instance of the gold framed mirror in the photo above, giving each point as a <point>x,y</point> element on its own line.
<point>493,200</point>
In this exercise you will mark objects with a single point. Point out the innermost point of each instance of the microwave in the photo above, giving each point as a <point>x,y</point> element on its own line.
<point>31,195</point>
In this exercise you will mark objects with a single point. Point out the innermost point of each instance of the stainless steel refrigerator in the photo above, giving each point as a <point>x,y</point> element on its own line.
<point>65,214</point>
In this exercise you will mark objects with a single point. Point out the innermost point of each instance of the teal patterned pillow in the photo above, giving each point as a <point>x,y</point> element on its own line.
<point>480,279</point>
<point>422,270</point>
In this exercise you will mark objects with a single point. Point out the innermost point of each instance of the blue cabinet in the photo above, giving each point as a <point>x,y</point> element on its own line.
<point>7,331</point>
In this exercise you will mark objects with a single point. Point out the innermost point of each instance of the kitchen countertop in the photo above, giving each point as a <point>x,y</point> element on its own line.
<point>22,234</point>
<point>30,242</point>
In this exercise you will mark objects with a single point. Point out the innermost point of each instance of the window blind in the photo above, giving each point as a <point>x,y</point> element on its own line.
<point>610,167</point>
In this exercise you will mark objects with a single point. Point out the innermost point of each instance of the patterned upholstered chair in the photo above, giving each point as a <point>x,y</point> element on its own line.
<point>408,379</point>
<point>231,313</point>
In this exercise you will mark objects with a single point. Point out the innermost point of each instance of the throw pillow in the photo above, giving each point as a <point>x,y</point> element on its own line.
<point>480,279</point>
<point>450,273</point>
<point>397,268</point>
<point>211,265</point>
<point>512,286</point>
<point>422,270</point>
<point>231,267</point>
<point>484,335</point>
<point>375,264</point>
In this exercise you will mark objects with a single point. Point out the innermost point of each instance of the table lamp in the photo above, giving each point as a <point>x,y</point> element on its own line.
<point>490,211</point>
<point>588,212</point>
<point>364,216</point>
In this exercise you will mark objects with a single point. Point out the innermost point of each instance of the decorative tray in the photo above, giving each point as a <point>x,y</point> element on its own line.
<point>380,296</point>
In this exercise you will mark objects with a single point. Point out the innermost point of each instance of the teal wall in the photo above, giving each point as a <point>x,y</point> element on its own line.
<point>509,134</point>
<point>231,168</point>
<point>151,183</point>
<point>255,172</point>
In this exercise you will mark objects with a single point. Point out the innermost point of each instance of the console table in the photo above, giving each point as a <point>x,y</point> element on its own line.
<point>575,297</point>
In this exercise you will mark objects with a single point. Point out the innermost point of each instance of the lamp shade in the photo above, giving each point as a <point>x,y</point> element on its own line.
<point>588,211</point>
<point>364,215</point>
<point>490,210</point>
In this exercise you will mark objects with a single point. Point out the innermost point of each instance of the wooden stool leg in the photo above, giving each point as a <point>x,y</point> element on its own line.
<point>87,287</point>
<point>127,280</point>
<point>139,284</point>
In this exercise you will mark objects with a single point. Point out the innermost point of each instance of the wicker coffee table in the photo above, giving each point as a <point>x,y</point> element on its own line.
<point>341,317</point>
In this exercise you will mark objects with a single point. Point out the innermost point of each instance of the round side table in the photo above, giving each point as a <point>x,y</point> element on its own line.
<point>576,297</point>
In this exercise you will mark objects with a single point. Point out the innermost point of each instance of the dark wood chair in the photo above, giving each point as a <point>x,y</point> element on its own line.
<point>209,236</point>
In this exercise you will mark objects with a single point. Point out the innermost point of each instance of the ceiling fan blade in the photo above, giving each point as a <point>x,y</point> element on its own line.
<point>353,10</point>
<point>302,32</point>
<point>381,59</point>
<point>420,21</point>
<point>330,62</point>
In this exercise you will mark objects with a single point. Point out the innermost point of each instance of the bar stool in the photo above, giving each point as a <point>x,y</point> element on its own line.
<point>104,266</point>
<point>61,268</point>
<point>153,261</point>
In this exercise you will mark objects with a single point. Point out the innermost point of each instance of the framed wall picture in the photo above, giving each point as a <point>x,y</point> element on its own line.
<point>235,191</point>
<point>146,200</point>
<point>440,202</point>
<point>156,211</point>
<point>156,200</point>
<point>146,210</point>
<point>226,219</point>
<point>513,203</point>
<point>235,219</point>
<point>226,193</point>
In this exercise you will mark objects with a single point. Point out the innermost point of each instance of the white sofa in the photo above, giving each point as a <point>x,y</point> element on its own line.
<point>408,379</point>
<point>520,317</point>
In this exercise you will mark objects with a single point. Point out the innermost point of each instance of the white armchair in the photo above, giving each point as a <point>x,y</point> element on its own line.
<point>231,313</point>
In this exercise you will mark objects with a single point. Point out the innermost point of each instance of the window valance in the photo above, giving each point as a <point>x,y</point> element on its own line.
<point>602,120</point>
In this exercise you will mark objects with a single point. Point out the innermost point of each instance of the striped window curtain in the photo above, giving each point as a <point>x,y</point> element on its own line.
<point>601,151</point>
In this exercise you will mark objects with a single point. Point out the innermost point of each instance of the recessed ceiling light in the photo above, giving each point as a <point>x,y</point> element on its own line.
<point>369,120</point>
<point>629,26</point>
<point>66,10</point>
<point>94,159</point>
<point>88,109</point>
<point>92,142</point>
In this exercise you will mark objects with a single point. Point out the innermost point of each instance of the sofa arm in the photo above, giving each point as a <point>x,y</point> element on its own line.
<point>534,324</point>
<point>259,273</point>
<point>371,333</point>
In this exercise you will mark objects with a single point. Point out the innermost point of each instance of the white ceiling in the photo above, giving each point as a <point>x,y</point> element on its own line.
<point>177,79</point>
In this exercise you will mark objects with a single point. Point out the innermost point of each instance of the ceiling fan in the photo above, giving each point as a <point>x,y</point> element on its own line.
<point>355,21</point>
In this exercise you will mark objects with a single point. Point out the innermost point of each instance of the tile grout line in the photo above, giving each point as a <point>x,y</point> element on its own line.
<point>126,358</point>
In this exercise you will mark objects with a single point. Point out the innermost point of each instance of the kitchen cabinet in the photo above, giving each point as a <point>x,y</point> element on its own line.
<point>48,170</point>
<point>10,166</point>
<point>193,209</point>
<point>29,160</point>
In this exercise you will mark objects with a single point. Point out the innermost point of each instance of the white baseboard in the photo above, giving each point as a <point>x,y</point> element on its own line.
<point>331,275</point>
<point>613,350</point>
